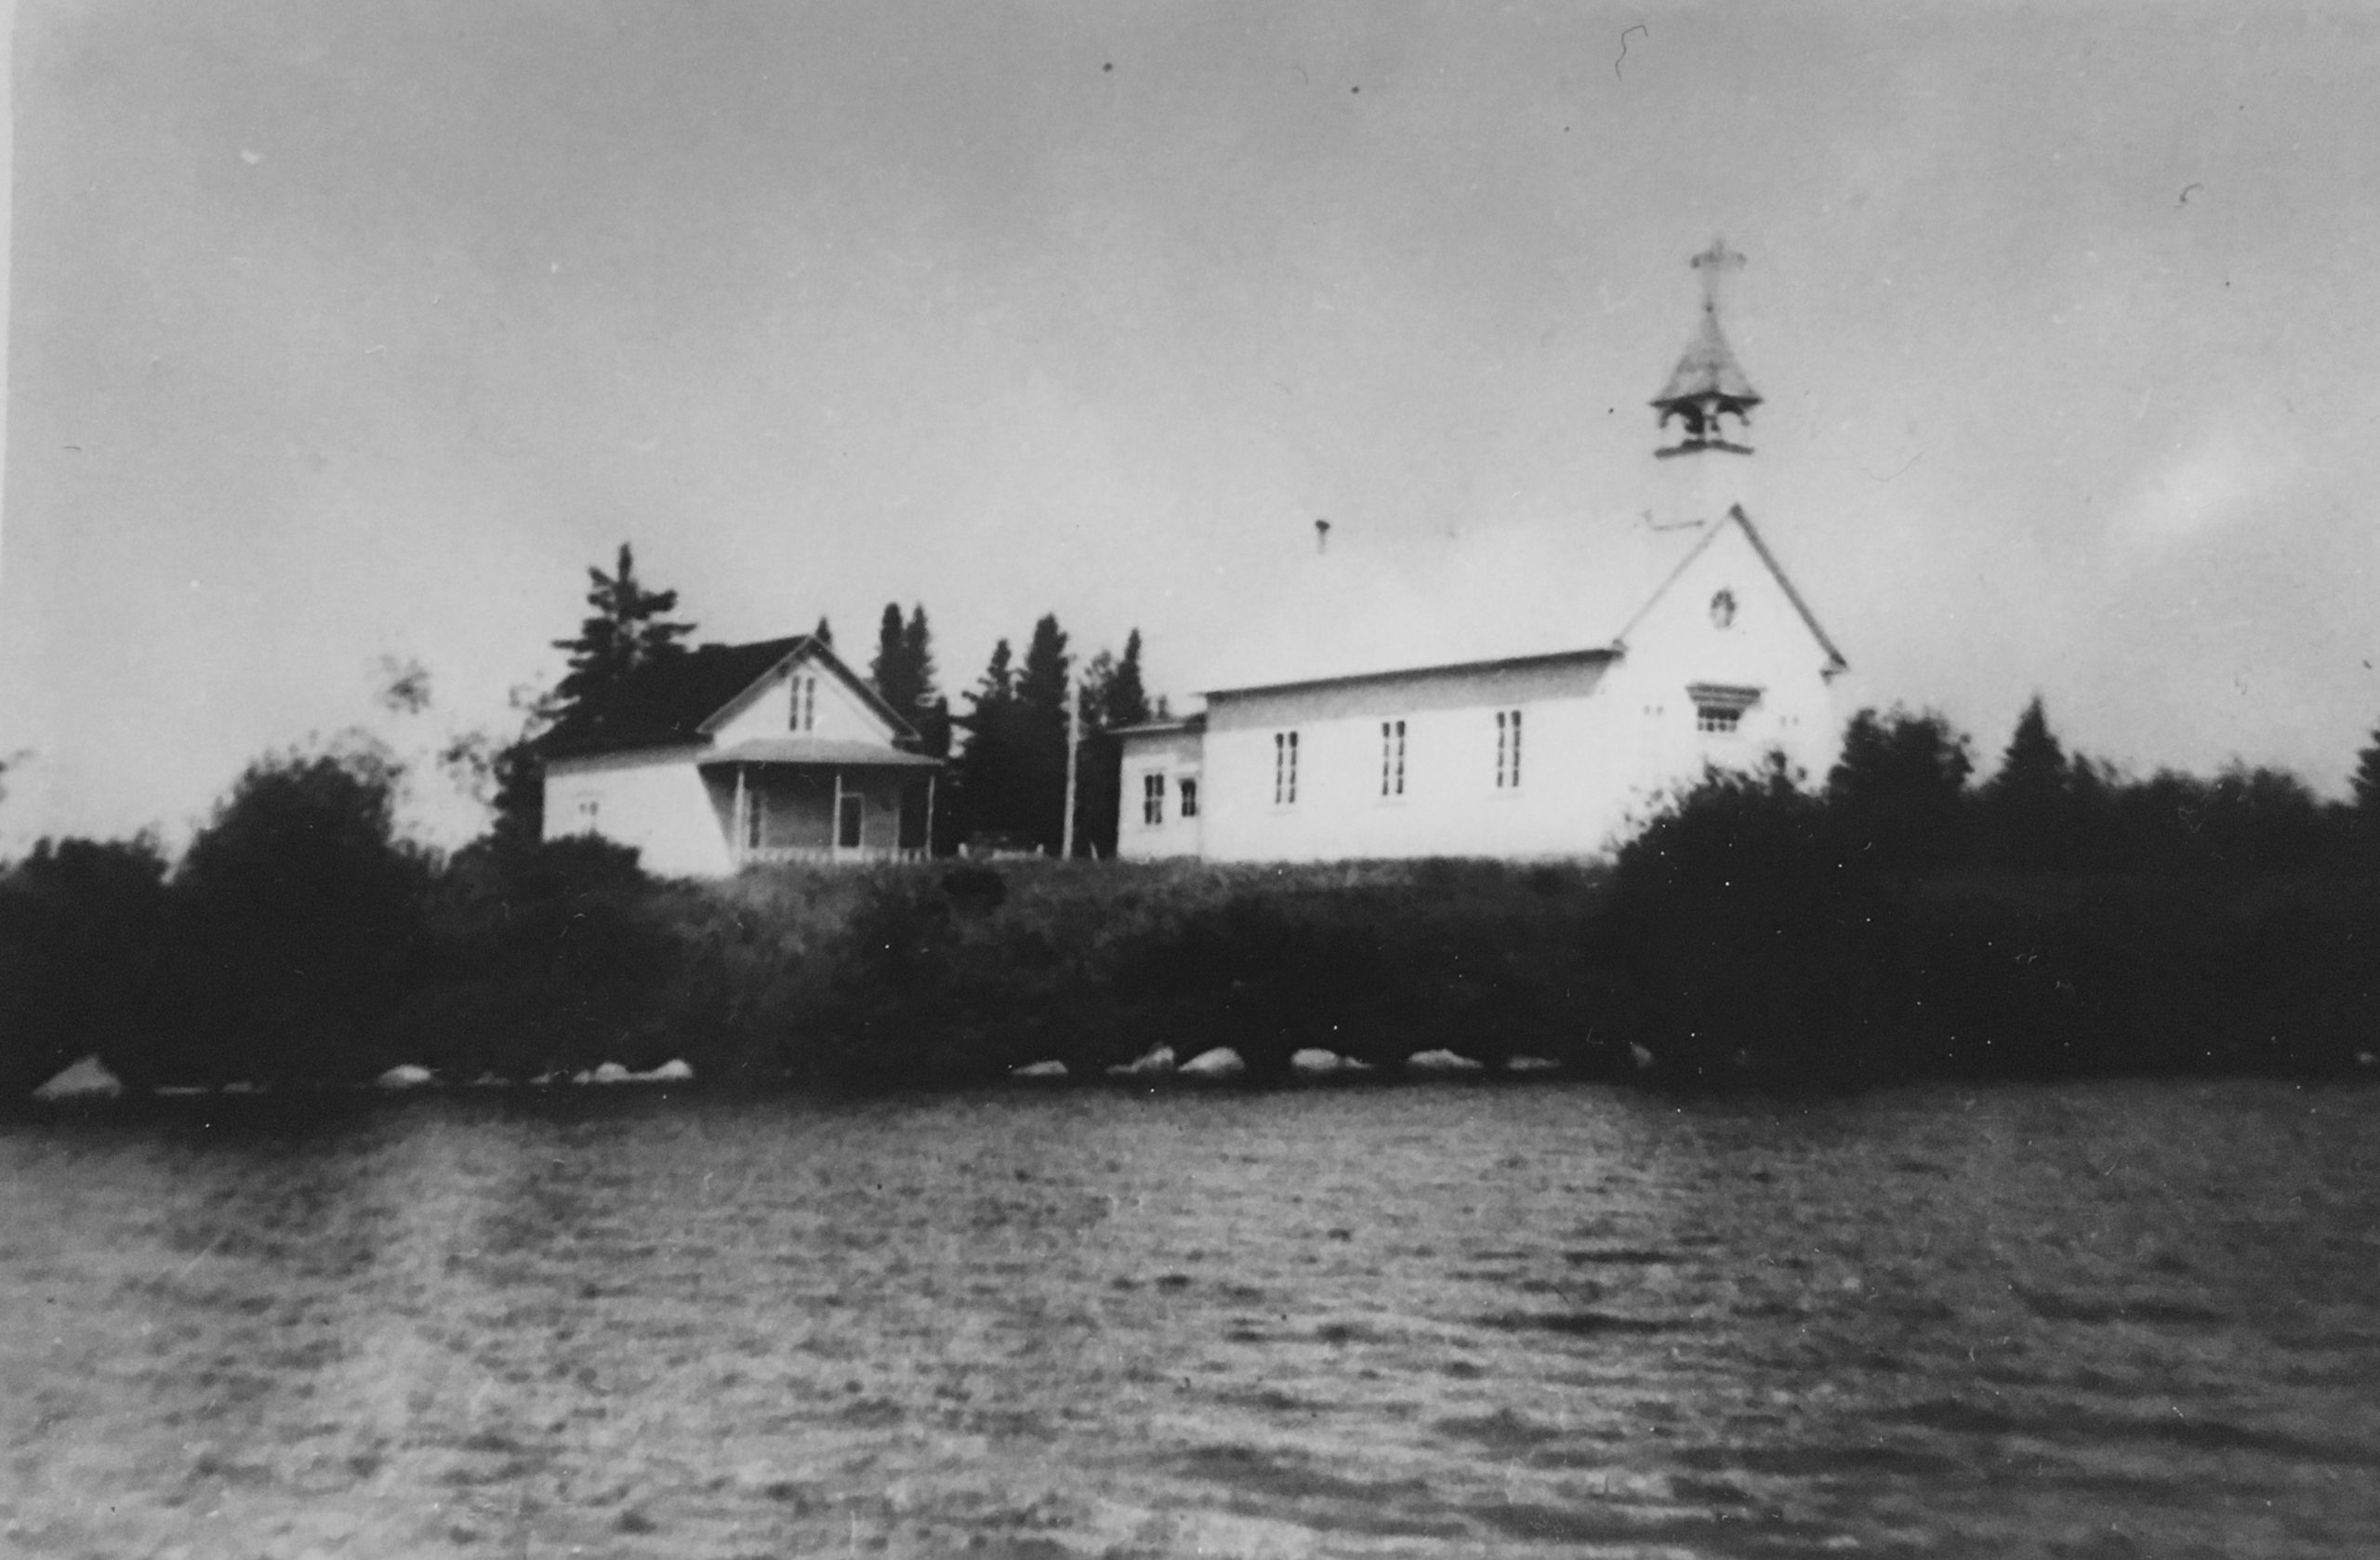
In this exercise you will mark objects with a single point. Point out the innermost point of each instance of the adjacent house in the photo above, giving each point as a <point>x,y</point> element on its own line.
<point>1537,695</point>
<point>730,754</point>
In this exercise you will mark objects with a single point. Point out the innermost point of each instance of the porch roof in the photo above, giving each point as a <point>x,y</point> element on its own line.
<point>838,752</point>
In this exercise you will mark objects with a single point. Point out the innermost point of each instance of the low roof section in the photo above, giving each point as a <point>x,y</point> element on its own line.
<point>671,702</point>
<point>840,752</point>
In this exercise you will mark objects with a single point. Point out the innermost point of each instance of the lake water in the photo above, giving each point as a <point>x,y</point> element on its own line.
<point>1460,1320</point>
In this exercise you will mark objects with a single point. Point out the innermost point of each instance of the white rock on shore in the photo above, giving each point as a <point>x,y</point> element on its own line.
<point>1314,1061</point>
<point>86,1079</point>
<point>1052,1068</point>
<point>405,1076</point>
<point>1441,1061</point>
<point>672,1071</point>
<point>1221,1062</point>
<point>1159,1060</point>
<point>1533,1065</point>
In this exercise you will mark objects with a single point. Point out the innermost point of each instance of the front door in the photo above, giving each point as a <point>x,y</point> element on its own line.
<point>850,814</point>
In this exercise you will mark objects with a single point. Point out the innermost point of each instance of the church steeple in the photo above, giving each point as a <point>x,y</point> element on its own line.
<point>1707,384</point>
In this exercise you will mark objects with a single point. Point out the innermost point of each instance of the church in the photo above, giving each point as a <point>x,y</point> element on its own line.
<point>1540,695</point>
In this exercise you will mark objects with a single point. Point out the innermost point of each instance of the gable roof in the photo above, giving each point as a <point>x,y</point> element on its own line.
<point>1708,369</point>
<point>1553,585</point>
<point>678,700</point>
<point>1736,516</point>
<point>1496,594</point>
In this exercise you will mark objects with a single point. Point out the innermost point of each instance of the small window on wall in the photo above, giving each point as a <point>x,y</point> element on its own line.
<point>1187,789</point>
<point>1508,749</point>
<point>587,808</point>
<point>1285,769</point>
<point>1152,799</point>
<point>805,703</point>
<point>1392,758</point>
<point>1719,708</point>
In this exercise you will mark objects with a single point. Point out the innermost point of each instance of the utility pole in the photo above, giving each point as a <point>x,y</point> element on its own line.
<point>1074,745</point>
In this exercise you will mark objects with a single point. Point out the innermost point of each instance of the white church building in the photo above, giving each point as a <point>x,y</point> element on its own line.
<point>1535,694</point>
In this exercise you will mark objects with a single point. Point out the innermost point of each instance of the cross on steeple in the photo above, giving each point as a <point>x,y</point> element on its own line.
<point>1716,264</point>
<point>1707,384</point>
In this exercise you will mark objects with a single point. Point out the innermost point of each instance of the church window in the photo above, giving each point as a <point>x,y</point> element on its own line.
<point>1153,797</point>
<point>1719,708</point>
<point>1392,758</point>
<point>1285,769</point>
<point>1508,749</point>
<point>805,703</point>
<point>1188,788</point>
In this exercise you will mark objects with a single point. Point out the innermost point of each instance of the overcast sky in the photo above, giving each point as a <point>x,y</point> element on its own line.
<point>349,333</point>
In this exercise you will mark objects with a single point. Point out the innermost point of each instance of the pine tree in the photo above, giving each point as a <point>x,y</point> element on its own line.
<point>625,630</point>
<point>890,670</point>
<point>1042,684</point>
<point>1044,695</point>
<point>2367,782</point>
<point>2027,804</point>
<point>933,718</point>
<point>1112,697</point>
<point>985,773</point>
<point>1898,795</point>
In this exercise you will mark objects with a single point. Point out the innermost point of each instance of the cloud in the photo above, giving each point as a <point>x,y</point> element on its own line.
<point>2215,480</point>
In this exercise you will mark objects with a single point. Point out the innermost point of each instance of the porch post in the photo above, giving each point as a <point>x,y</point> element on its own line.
<point>928,852</point>
<point>735,845</point>
<point>835,820</point>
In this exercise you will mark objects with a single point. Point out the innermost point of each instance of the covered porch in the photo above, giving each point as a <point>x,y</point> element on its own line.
<point>813,799</point>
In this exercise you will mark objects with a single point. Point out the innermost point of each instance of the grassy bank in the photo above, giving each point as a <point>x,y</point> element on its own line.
<point>1755,934</point>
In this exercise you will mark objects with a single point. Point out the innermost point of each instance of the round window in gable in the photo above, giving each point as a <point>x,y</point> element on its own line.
<point>1723,609</point>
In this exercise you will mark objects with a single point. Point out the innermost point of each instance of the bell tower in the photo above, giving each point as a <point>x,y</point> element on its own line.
<point>1708,386</point>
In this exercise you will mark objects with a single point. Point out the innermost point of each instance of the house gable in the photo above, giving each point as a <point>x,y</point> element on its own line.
<point>809,692</point>
<point>692,699</point>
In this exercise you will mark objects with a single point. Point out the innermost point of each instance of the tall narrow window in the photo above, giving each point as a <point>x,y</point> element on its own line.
<point>1508,749</point>
<point>1392,758</point>
<point>1188,788</point>
<point>805,703</point>
<point>1285,769</point>
<point>1153,797</point>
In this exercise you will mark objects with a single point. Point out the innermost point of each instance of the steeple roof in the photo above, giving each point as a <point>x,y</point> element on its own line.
<point>1708,370</point>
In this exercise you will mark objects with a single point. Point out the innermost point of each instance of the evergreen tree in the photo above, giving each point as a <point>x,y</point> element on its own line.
<point>2027,805</point>
<point>917,643</point>
<point>1043,683</point>
<point>890,670</point>
<point>985,773</point>
<point>1112,697</point>
<point>933,718</point>
<point>626,629</point>
<point>1044,694</point>
<point>2367,784</point>
<point>1898,795</point>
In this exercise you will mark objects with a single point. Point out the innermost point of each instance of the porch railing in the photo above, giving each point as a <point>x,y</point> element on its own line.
<point>778,855</point>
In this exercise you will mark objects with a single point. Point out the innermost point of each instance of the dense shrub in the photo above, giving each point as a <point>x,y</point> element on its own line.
<point>299,922</point>
<point>2061,923</point>
<point>544,957</point>
<point>83,935</point>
